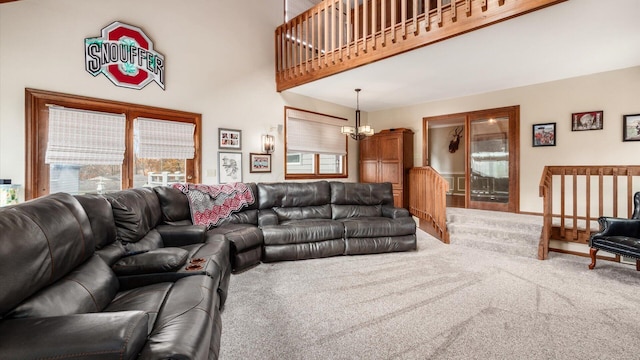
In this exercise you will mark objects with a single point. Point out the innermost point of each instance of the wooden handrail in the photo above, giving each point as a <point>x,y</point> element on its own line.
<point>338,35</point>
<point>571,206</point>
<point>428,199</point>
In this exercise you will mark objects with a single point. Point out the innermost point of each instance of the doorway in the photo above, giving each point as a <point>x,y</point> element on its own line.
<point>478,154</point>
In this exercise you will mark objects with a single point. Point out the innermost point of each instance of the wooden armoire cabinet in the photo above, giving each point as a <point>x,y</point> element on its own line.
<point>387,157</point>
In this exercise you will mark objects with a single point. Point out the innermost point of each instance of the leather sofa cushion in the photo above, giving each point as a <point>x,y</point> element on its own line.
<point>174,204</point>
<point>136,212</point>
<point>310,250</point>
<point>88,288</point>
<point>101,218</point>
<point>366,227</point>
<point>343,193</point>
<point>145,298</point>
<point>303,212</point>
<point>158,260</point>
<point>351,211</point>
<point>241,236</point>
<point>84,336</point>
<point>302,231</point>
<point>377,245</point>
<point>41,248</point>
<point>291,194</point>
<point>185,324</point>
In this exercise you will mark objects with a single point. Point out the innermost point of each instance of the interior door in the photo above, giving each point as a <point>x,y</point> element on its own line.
<point>492,160</point>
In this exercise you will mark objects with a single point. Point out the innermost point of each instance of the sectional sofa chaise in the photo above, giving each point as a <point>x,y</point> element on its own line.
<point>128,275</point>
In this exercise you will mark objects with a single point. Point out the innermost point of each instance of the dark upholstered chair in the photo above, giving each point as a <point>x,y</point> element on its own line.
<point>618,235</point>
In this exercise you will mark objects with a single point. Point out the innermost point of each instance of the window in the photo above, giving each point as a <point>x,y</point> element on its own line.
<point>315,147</point>
<point>76,166</point>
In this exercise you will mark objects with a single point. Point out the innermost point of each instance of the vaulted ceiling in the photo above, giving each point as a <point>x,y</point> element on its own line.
<point>573,38</point>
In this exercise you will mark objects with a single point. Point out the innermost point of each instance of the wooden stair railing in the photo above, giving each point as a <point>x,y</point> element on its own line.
<point>428,200</point>
<point>338,35</point>
<point>574,197</point>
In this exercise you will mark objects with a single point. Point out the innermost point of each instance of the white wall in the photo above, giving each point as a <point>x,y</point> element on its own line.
<point>616,93</point>
<point>219,62</point>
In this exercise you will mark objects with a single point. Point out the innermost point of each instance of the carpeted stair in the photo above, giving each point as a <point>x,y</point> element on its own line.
<point>509,233</point>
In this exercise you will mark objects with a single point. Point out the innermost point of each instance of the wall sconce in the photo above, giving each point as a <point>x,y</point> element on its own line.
<point>268,144</point>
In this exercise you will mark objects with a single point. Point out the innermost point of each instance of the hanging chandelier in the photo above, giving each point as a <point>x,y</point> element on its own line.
<point>357,132</point>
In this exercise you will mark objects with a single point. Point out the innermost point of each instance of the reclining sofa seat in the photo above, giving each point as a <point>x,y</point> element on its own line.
<point>240,229</point>
<point>296,222</point>
<point>60,300</point>
<point>150,246</point>
<point>371,222</point>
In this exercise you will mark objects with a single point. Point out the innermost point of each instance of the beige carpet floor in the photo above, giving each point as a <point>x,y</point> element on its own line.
<point>439,302</point>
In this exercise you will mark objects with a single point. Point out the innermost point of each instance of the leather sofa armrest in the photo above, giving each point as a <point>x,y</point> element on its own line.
<point>109,335</point>
<point>267,217</point>
<point>181,235</point>
<point>394,212</point>
<point>610,226</point>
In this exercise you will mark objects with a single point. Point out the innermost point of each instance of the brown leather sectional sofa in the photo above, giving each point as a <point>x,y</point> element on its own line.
<point>127,275</point>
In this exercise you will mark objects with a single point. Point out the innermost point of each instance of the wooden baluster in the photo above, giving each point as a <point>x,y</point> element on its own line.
<point>483,3</point>
<point>615,192</point>
<point>383,22</point>
<point>629,193</point>
<point>574,174</point>
<point>562,205</point>
<point>439,12</point>
<point>349,29</point>
<point>454,11</point>
<point>467,7</point>
<point>278,52</point>
<point>340,28</point>
<point>374,23</point>
<point>356,14</point>
<point>394,4</point>
<point>326,33</point>
<point>320,38</point>
<point>334,30</point>
<point>416,28</point>
<point>312,39</point>
<point>288,50</point>
<point>588,201</point>
<point>403,14</point>
<point>427,18</point>
<point>300,45</point>
<point>365,24</point>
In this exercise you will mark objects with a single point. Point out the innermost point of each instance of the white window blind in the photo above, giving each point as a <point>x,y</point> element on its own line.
<point>162,139</point>
<point>79,137</point>
<point>314,133</point>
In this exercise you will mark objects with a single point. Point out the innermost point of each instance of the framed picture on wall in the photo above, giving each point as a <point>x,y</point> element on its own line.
<point>631,127</point>
<point>229,139</point>
<point>229,167</point>
<point>590,120</point>
<point>260,163</point>
<point>544,134</point>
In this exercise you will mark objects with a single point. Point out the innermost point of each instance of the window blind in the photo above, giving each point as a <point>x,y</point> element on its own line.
<point>79,137</point>
<point>314,133</point>
<point>163,139</point>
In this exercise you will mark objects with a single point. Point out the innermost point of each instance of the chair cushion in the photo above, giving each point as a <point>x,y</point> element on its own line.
<point>623,245</point>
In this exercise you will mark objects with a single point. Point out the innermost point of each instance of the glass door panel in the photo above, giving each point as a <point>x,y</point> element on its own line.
<point>489,163</point>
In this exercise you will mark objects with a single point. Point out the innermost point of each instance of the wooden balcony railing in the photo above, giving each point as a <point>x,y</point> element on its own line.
<point>575,196</point>
<point>338,35</point>
<point>428,200</point>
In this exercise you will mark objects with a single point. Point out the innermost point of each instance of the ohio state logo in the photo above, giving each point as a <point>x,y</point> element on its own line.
<point>125,55</point>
